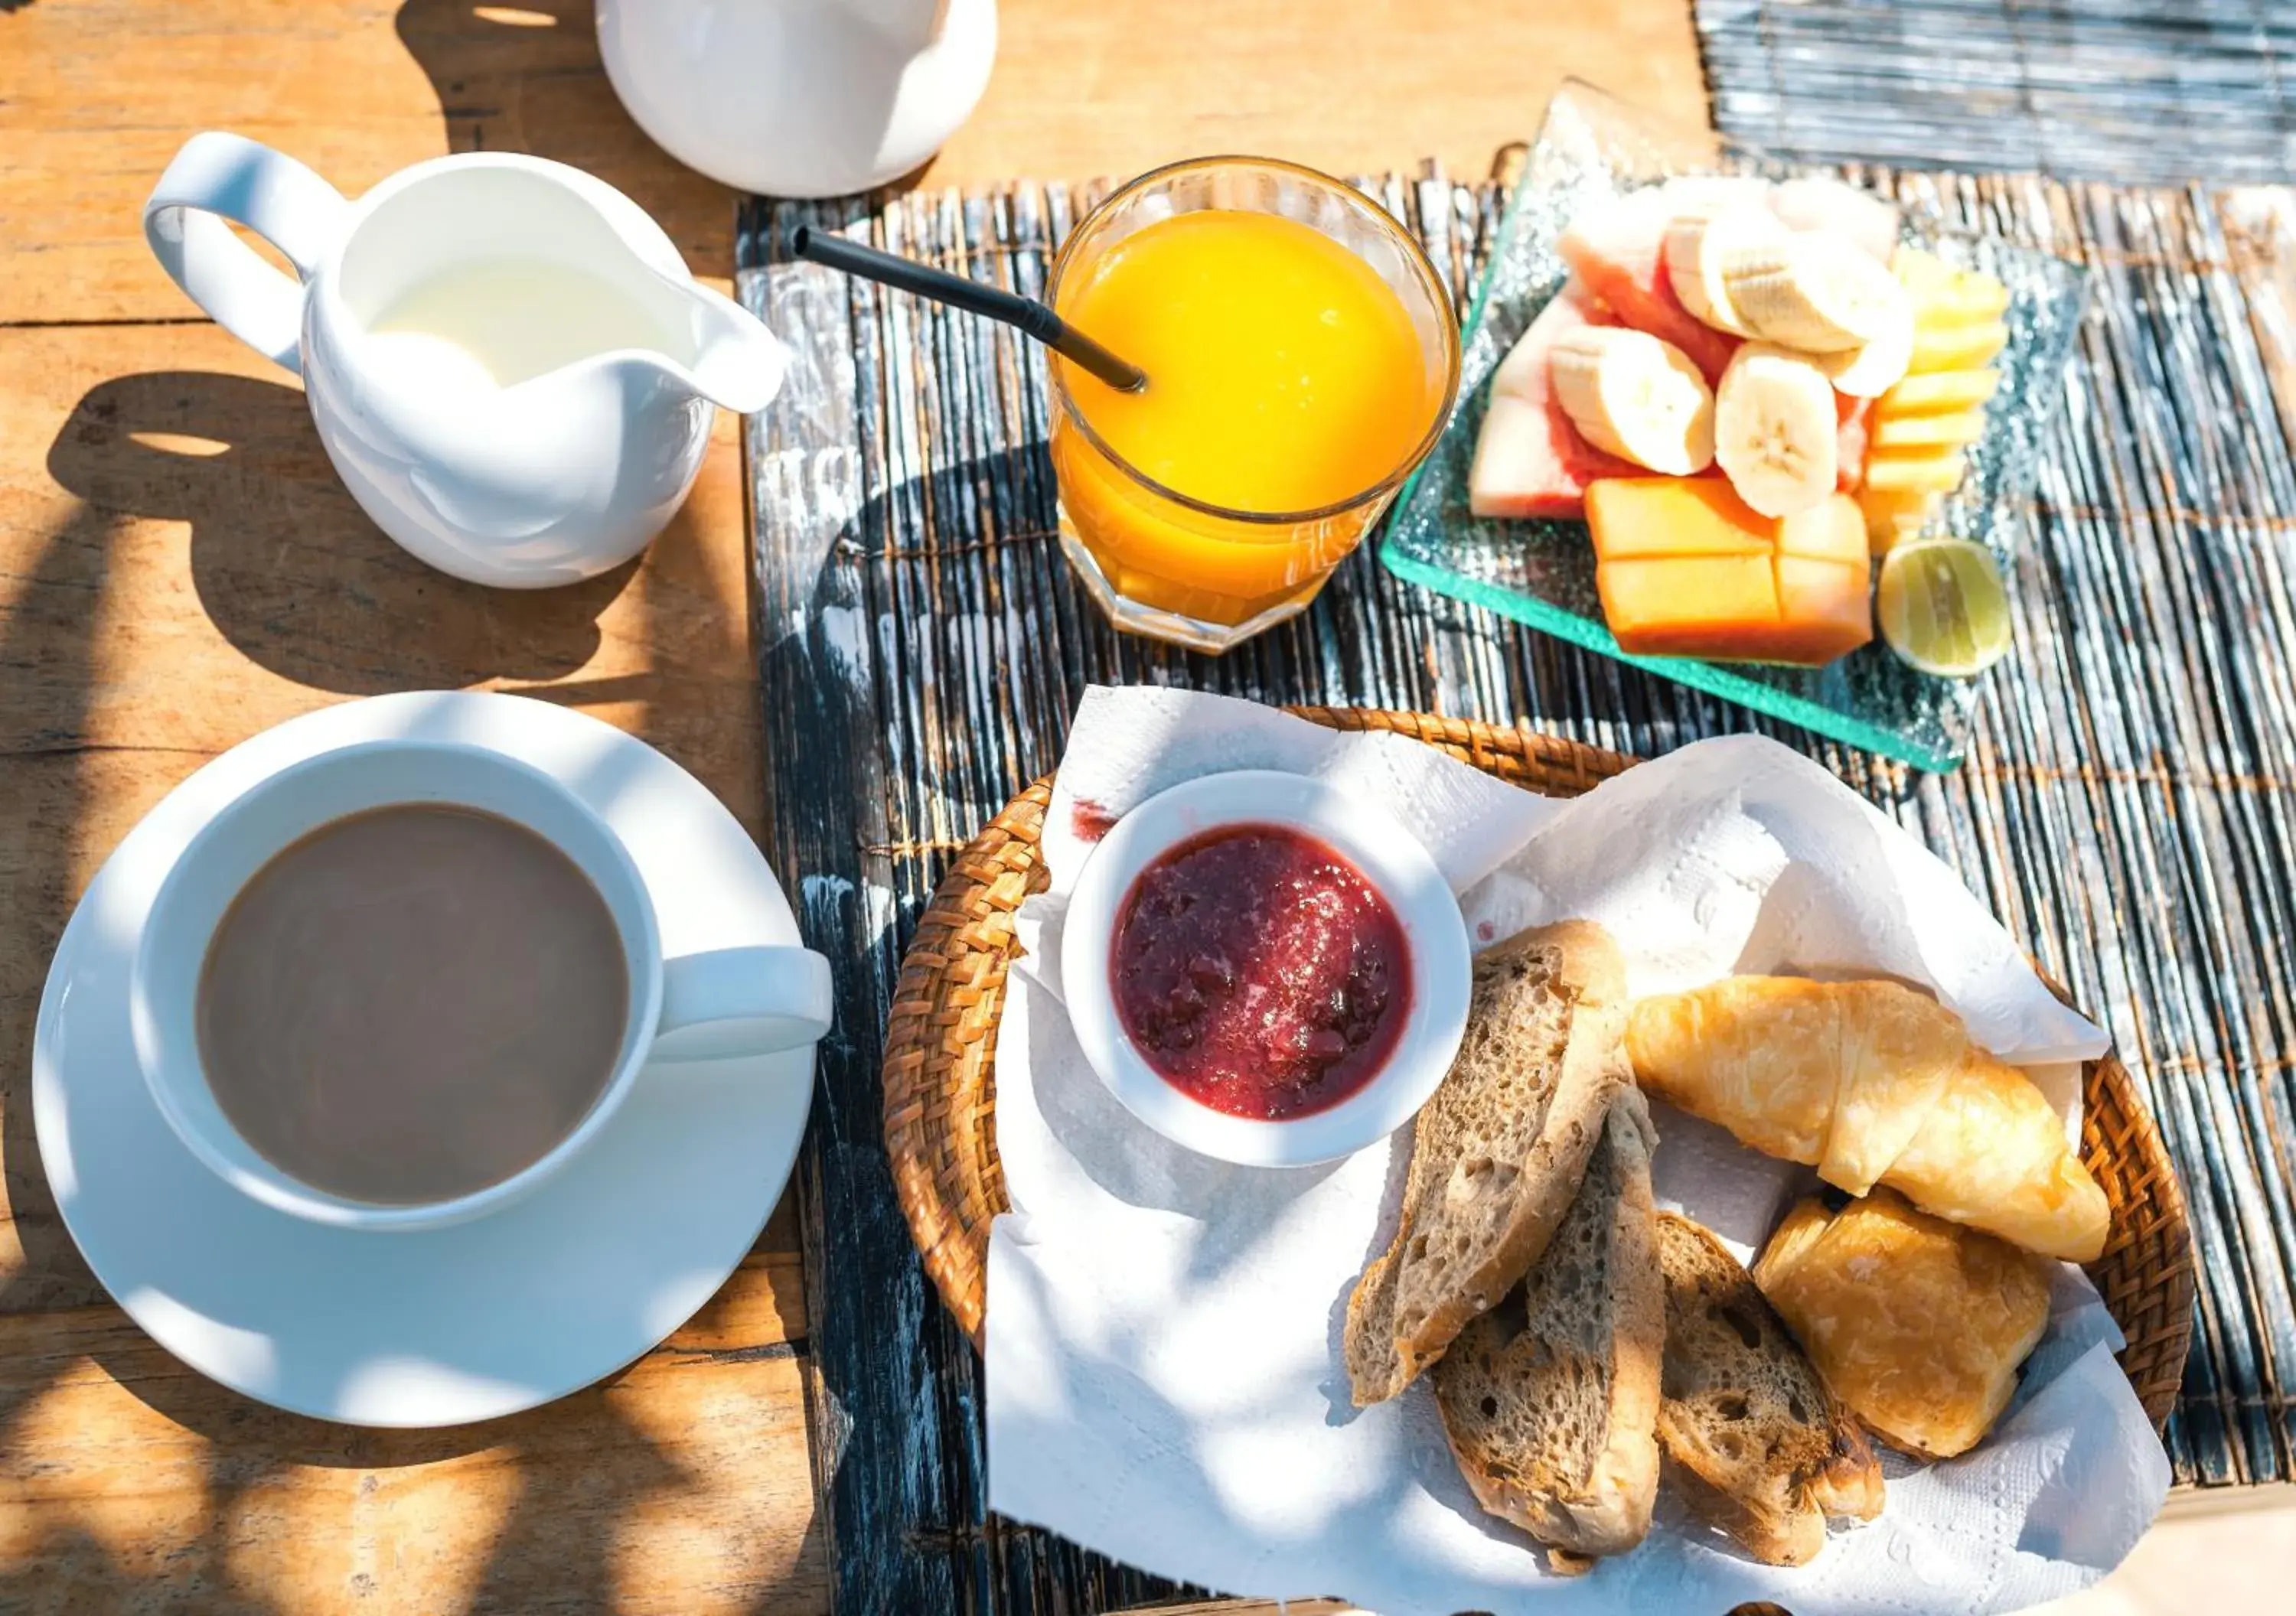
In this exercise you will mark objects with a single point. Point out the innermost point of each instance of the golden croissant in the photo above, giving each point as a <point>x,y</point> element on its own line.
<point>1873,1083</point>
<point>1927,1358</point>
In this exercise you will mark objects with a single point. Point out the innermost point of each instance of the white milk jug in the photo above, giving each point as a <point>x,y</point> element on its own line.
<point>799,97</point>
<point>509,363</point>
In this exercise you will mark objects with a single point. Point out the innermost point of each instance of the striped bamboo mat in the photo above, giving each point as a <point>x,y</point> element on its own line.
<point>2154,91</point>
<point>2128,805</point>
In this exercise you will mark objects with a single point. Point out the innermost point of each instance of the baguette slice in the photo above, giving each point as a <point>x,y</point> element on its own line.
<point>1760,1447</point>
<point>1550,1400</point>
<point>1497,1154</point>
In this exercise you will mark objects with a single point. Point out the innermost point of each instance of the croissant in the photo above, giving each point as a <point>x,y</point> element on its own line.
<point>1916,1324</point>
<point>1873,1083</point>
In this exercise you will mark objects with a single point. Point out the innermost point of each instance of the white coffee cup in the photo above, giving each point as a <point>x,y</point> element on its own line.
<point>725,1002</point>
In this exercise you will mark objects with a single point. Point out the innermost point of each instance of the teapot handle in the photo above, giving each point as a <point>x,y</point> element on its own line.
<point>218,176</point>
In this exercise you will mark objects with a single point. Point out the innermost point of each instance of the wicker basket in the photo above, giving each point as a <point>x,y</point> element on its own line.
<point>940,1057</point>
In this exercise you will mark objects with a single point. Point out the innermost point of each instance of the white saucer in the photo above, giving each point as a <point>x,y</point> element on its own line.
<point>438,1327</point>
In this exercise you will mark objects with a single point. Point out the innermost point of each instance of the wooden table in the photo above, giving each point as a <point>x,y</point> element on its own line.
<point>179,568</point>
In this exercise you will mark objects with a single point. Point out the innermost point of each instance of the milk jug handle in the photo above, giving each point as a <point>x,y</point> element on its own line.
<point>218,176</point>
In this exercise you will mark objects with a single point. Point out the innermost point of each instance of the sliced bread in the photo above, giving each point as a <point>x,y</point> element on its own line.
<point>1497,1154</point>
<point>1550,1400</point>
<point>1758,1446</point>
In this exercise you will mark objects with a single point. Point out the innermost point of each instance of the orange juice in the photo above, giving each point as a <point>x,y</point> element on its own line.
<point>1290,387</point>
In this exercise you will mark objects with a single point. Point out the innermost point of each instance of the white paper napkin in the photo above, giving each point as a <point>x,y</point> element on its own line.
<point>1165,1382</point>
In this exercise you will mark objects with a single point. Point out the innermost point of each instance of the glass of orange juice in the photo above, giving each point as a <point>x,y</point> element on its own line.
<point>1302,356</point>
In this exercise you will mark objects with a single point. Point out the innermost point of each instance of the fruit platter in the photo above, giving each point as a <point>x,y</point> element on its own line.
<point>1772,435</point>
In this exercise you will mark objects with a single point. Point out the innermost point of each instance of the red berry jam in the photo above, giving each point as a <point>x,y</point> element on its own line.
<point>1258,972</point>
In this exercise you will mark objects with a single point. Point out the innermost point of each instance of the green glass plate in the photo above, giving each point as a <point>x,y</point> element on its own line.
<point>1593,147</point>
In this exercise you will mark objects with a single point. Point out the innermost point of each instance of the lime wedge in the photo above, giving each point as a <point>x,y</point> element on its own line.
<point>1943,608</point>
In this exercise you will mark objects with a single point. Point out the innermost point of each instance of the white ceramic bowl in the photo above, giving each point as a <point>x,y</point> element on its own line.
<point>1391,860</point>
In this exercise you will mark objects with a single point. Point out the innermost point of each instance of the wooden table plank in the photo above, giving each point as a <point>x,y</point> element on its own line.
<point>129,1483</point>
<point>96,95</point>
<point>180,568</point>
<point>1352,87</point>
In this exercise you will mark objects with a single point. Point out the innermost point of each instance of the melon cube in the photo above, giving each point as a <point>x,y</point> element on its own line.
<point>1673,516</point>
<point>1824,608</point>
<point>1689,606</point>
<point>1686,568</point>
<point>1831,530</point>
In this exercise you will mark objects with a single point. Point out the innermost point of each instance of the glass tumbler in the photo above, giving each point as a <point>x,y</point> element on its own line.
<point>1160,559</point>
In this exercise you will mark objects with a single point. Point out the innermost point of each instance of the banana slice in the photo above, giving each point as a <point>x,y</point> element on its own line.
<point>1775,430</point>
<point>1958,347</point>
<point>1636,397</point>
<point>1812,291</point>
<point>1697,248</point>
<point>1705,194</point>
<point>1914,470</point>
<point>1954,430</point>
<point>1867,221</point>
<point>1939,391</point>
<point>1873,370</point>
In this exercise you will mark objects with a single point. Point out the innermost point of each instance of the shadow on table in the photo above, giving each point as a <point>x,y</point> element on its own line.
<point>528,78</point>
<point>550,1509</point>
<point>286,566</point>
<point>293,578</point>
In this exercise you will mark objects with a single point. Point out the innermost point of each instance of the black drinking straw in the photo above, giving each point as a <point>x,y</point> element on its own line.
<point>1030,316</point>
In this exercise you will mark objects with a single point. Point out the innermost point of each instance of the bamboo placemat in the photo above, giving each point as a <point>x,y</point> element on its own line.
<point>2154,91</point>
<point>2128,807</point>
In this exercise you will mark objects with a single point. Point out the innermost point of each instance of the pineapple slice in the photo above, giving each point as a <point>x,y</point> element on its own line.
<point>1939,392</point>
<point>1916,470</point>
<point>1956,430</point>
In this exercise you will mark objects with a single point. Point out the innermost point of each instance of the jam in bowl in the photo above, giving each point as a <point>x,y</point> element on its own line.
<point>1265,969</point>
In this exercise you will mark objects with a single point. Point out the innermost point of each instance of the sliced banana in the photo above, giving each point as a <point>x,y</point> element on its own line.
<point>1775,430</point>
<point>1636,397</point>
<point>1705,194</point>
<point>1914,471</point>
<point>1958,347</point>
<point>1952,429</point>
<point>1697,248</point>
<point>1811,291</point>
<point>1873,370</point>
<point>1867,221</point>
<point>1940,391</point>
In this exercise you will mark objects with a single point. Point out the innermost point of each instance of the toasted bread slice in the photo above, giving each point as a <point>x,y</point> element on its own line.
<point>1748,1430</point>
<point>1498,1153</point>
<point>1550,1400</point>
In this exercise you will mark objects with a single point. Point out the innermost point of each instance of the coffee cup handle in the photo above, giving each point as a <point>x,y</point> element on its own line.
<point>732,1001</point>
<point>218,176</point>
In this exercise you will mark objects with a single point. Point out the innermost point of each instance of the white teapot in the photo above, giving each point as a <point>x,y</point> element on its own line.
<point>508,363</point>
<point>798,98</point>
